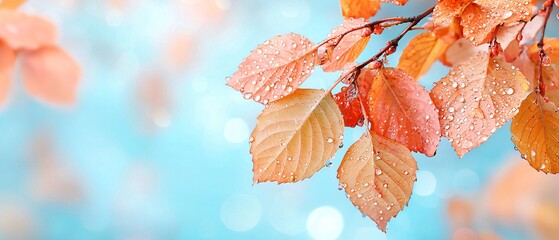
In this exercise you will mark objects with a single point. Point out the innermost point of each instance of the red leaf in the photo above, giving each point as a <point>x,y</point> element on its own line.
<point>276,68</point>
<point>349,105</point>
<point>22,31</point>
<point>401,109</point>
<point>349,47</point>
<point>7,59</point>
<point>50,74</point>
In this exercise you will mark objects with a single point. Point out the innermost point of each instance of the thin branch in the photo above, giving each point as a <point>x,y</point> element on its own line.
<point>543,56</point>
<point>392,44</point>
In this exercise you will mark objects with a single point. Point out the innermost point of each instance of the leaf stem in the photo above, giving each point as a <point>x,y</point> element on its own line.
<point>540,88</point>
<point>392,44</point>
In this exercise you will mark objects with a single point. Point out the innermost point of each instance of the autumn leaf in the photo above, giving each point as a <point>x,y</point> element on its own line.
<point>349,47</point>
<point>296,136</point>
<point>11,4</point>
<point>478,96</point>
<point>535,131</point>
<point>378,176</point>
<point>7,59</point>
<point>526,66</point>
<point>359,8</point>
<point>400,109</point>
<point>348,102</point>
<point>446,10</point>
<point>480,19</point>
<point>50,74</point>
<point>276,68</point>
<point>21,31</point>
<point>461,50</point>
<point>420,54</point>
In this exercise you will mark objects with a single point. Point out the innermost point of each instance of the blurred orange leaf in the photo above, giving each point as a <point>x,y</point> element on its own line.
<point>359,8</point>
<point>349,47</point>
<point>420,54</point>
<point>478,96</point>
<point>276,68</point>
<point>401,109</point>
<point>378,175</point>
<point>295,136</point>
<point>461,50</point>
<point>7,59</point>
<point>50,74</point>
<point>11,4</point>
<point>535,132</point>
<point>22,31</point>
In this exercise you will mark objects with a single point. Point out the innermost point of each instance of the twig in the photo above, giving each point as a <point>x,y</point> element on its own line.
<point>548,8</point>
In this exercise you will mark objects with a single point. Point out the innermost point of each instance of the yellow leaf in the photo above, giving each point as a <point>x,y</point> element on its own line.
<point>535,131</point>
<point>378,175</point>
<point>349,48</point>
<point>296,136</point>
<point>478,96</point>
<point>11,4</point>
<point>359,8</point>
<point>420,54</point>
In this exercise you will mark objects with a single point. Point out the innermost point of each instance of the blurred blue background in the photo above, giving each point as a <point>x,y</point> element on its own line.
<point>156,146</point>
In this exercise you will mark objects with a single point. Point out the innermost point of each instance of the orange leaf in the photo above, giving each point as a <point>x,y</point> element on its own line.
<point>480,19</point>
<point>535,131</point>
<point>446,10</point>
<point>276,68</point>
<point>22,31</point>
<point>378,175</point>
<point>401,109</point>
<point>478,96</point>
<point>420,54</point>
<point>349,47</point>
<point>295,136</point>
<point>7,59</point>
<point>359,8</point>
<point>348,102</point>
<point>11,4</point>
<point>50,74</point>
